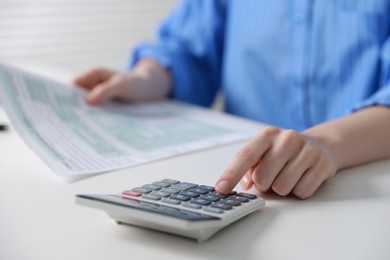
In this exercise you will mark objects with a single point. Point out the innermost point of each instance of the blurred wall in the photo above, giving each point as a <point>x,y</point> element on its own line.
<point>72,35</point>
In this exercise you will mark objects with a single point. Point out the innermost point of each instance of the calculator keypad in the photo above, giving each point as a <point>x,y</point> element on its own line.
<point>189,195</point>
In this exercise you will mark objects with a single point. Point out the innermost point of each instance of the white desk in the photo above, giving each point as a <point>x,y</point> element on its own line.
<point>348,218</point>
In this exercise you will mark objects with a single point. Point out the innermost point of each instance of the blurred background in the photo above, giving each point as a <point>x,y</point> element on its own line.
<point>61,38</point>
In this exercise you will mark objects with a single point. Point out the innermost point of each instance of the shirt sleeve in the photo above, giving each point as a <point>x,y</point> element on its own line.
<point>190,44</point>
<point>382,96</point>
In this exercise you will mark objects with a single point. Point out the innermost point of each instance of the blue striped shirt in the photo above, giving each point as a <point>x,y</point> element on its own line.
<point>288,63</point>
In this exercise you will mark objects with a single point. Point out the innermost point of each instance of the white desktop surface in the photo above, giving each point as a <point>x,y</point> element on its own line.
<point>348,218</point>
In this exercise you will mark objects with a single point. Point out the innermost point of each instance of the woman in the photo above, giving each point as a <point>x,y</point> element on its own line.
<point>318,71</point>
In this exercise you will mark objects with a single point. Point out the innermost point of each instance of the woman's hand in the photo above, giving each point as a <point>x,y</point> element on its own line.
<point>146,82</point>
<point>283,161</point>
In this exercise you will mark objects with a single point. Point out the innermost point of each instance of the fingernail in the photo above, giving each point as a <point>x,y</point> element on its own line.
<point>244,182</point>
<point>223,186</point>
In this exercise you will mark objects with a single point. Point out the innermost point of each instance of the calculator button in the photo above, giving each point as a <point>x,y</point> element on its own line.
<point>240,199</point>
<point>191,194</point>
<point>230,202</point>
<point>151,187</point>
<point>179,197</point>
<point>199,190</point>
<point>151,197</point>
<point>132,193</point>
<point>184,186</point>
<point>202,202</point>
<point>205,187</point>
<point>160,193</point>
<point>170,181</point>
<point>170,190</point>
<point>247,195</point>
<point>161,184</point>
<point>221,206</point>
<point>213,210</point>
<point>142,190</point>
<point>211,198</point>
<point>191,205</point>
<point>213,193</point>
<point>171,201</point>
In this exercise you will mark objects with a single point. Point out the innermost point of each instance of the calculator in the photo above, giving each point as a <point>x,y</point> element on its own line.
<point>181,208</point>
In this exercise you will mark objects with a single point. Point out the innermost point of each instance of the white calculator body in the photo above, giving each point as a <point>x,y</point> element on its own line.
<point>181,208</point>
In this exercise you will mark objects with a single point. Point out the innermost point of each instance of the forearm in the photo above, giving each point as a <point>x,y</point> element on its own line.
<point>359,138</point>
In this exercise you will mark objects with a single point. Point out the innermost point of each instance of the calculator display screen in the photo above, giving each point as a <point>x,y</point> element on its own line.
<point>150,207</point>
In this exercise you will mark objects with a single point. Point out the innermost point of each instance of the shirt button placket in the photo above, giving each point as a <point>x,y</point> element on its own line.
<point>299,48</point>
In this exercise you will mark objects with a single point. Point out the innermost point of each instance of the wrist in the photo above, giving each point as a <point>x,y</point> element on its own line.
<point>152,76</point>
<point>330,141</point>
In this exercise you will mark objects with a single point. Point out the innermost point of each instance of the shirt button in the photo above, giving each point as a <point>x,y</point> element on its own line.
<point>298,18</point>
<point>297,84</point>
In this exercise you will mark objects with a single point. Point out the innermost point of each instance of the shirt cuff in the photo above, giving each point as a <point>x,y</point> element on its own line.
<point>150,51</point>
<point>380,98</point>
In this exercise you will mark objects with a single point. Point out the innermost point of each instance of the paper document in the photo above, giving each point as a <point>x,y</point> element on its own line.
<point>74,138</point>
